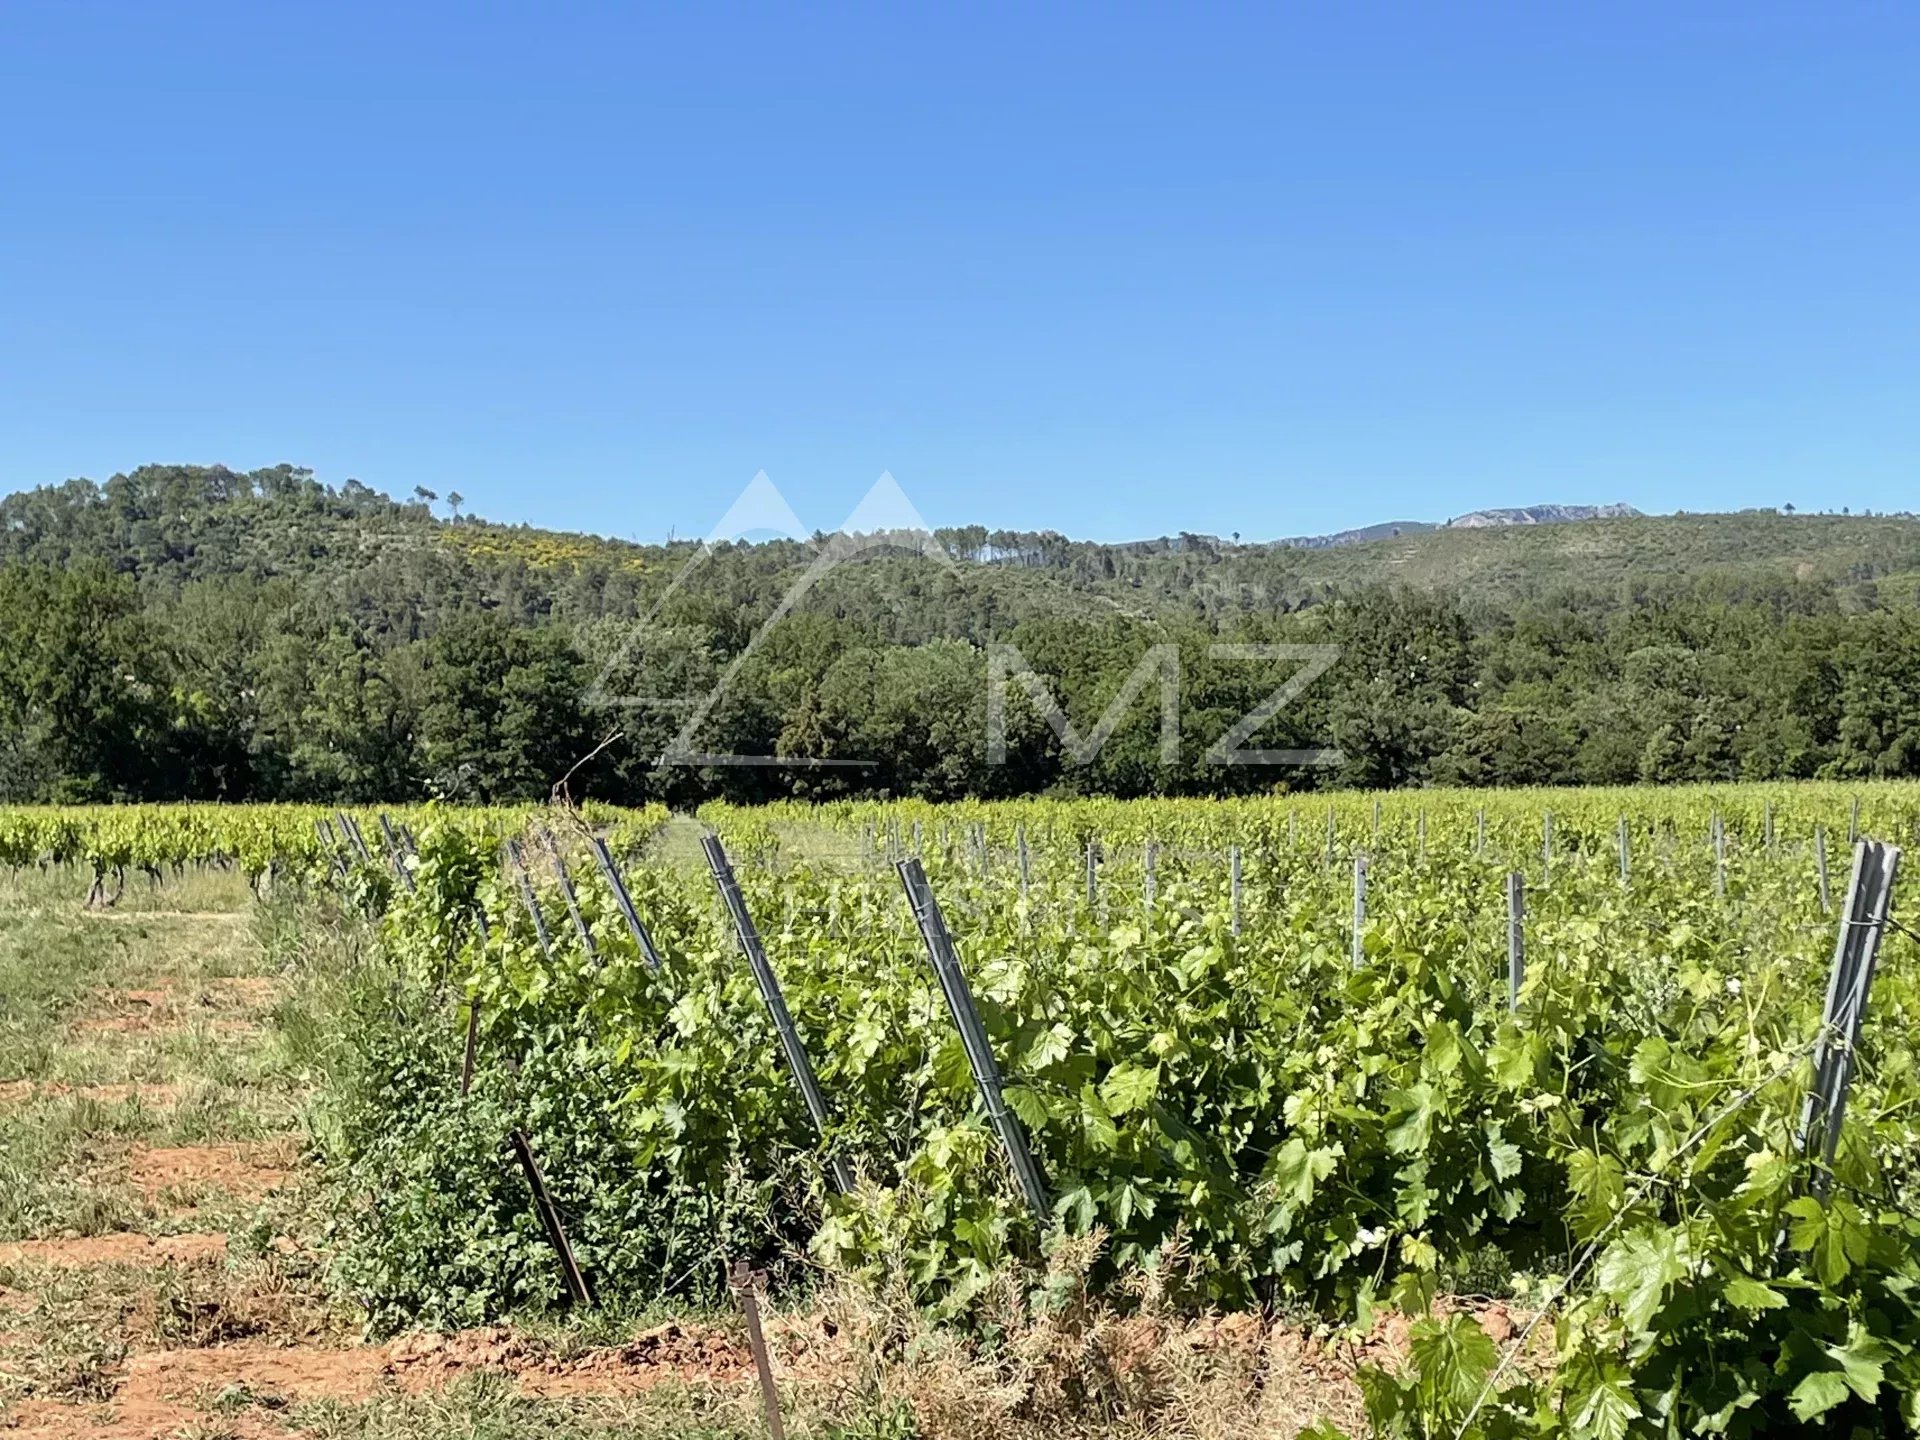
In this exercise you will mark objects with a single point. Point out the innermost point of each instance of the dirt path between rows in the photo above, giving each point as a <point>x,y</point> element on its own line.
<point>18,1092</point>
<point>166,1391</point>
<point>187,1173</point>
<point>163,1387</point>
<point>90,1251</point>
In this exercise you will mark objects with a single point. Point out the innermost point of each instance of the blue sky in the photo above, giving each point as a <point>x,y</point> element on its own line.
<point>1114,271</point>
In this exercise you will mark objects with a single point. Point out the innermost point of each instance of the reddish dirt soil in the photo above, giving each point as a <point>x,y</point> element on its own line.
<point>163,1393</point>
<point>298,1372</point>
<point>215,1001</point>
<point>146,1022</point>
<point>15,1092</point>
<point>166,1391</point>
<point>245,1172</point>
<point>249,992</point>
<point>51,1420</point>
<point>1387,1343</point>
<point>112,1250</point>
<point>669,1352</point>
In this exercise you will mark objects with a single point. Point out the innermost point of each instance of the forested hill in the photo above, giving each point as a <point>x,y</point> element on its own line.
<point>193,631</point>
<point>170,525</point>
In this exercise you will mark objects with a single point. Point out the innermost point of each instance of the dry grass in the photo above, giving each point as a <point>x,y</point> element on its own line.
<point>1049,1358</point>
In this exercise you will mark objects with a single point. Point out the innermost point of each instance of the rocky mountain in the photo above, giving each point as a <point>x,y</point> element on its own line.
<point>1542,515</point>
<point>1476,520</point>
<point>1386,530</point>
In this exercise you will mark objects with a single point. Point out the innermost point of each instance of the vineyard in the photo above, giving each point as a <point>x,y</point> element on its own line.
<point>1333,1059</point>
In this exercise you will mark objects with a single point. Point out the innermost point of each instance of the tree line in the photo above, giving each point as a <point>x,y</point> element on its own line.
<point>190,633</point>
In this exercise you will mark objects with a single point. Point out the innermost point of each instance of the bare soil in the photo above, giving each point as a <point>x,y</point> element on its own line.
<point>122,1249</point>
<point>16,1092</point>
<point>183,1174</point>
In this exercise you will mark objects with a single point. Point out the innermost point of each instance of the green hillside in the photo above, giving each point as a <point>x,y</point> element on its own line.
<point>1645,552</point>
<point>183,631</point>
<point>173,525</point>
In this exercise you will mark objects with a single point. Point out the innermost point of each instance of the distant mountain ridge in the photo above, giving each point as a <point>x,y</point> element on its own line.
<point>1543,515</point>
<point>1473,520</point>
<point>172,526</point>
<point>1385,530</point>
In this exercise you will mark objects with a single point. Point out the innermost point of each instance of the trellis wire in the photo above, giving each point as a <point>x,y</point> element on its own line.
<point>1628,1208</point>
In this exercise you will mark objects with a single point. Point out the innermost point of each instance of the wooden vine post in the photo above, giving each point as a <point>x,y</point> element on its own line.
<point>745,1285</point>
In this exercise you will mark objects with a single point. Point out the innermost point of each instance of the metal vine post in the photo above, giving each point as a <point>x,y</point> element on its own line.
<point>609,871</point>
<point>1516,938</point>
<point>798,1065</point>
<point>1863,924</point>
<point>973,1036</point>
<point>1359,910</point>
<point>524,883</point>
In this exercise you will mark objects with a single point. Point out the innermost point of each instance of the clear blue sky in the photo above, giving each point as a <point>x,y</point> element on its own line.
<point>1110,271</point>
